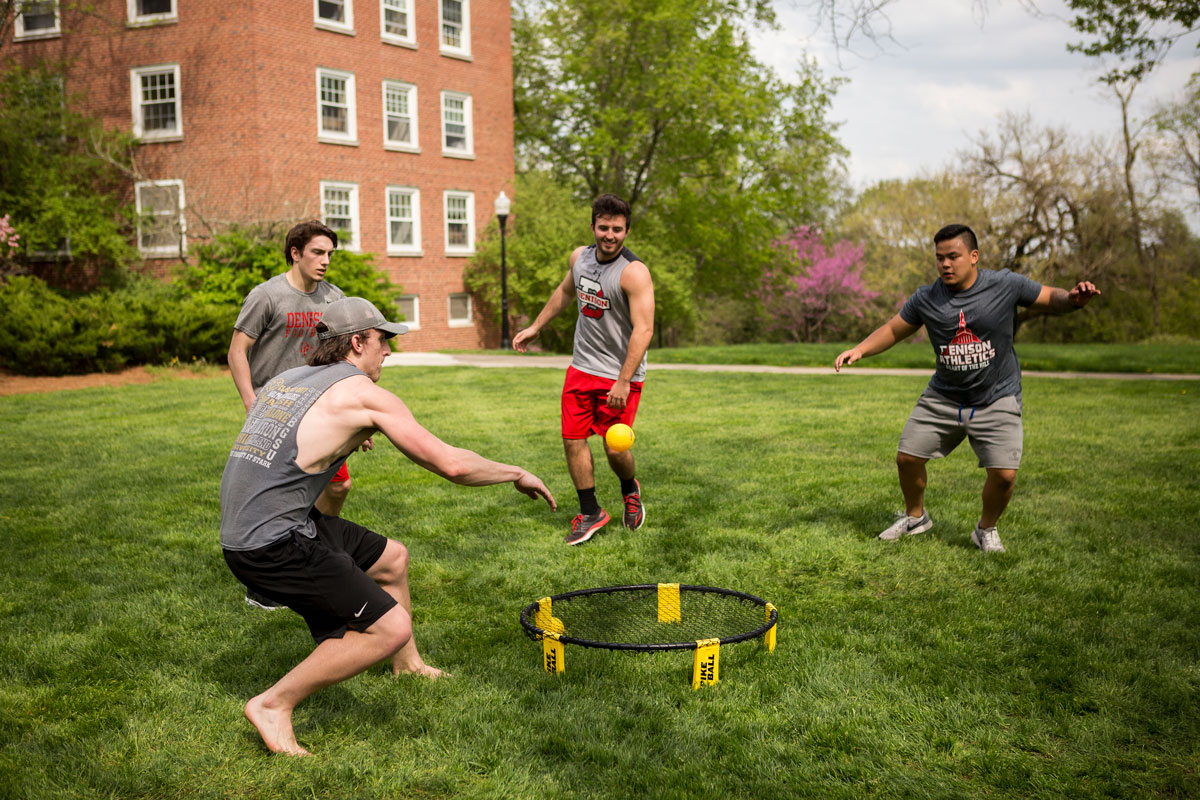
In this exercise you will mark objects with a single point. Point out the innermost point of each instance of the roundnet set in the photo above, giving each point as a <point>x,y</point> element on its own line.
<point>649,618</point>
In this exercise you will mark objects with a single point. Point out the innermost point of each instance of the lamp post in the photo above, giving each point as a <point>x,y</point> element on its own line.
<point>503,206</point>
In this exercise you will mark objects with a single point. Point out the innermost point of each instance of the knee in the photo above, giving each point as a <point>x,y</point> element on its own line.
<point>905,461</point>
<point>1004,479</point>
<point>394,628</point>
<point>393,564</point>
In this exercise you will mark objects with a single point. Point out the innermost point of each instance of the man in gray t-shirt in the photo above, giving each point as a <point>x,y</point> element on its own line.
<point>975,393</point>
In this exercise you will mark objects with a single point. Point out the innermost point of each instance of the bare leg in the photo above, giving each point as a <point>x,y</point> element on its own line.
<point>391,573</point>
<point>331,661</point>
<point>913,479</point>
<point>579,463</point>
<point>621,463</point>
<point>997,491</point>
<point>333,497</point>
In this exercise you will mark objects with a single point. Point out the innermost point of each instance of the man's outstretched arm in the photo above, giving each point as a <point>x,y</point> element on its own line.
<point>562,297</point>
<point>1052,300</point>
<point>880,339</point>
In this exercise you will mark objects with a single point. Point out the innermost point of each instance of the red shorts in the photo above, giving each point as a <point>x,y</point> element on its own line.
<point>585,405</point>
<point>343,474</point>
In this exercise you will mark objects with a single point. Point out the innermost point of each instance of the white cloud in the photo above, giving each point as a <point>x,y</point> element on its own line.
<point>951,74</point>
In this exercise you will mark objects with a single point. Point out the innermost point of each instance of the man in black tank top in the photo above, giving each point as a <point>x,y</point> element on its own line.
<point>604,382</point>
<point>350,584</point>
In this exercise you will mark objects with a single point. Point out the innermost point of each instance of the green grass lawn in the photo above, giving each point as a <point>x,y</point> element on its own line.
<point>1067,667</point>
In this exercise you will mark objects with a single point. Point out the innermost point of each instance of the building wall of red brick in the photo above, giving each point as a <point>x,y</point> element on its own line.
<point>250,150</point>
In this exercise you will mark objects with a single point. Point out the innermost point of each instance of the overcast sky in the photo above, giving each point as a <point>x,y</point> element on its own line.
<point>951,73</point>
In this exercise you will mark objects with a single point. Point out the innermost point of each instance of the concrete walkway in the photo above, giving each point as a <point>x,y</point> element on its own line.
<point>489,360</point>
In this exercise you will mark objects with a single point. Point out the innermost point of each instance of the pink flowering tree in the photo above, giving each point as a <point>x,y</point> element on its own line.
<point>818,290</point>
<point>10,243</point>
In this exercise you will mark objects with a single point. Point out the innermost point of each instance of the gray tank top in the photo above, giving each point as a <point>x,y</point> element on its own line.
<point>604,326</point>
<point>264,493</point>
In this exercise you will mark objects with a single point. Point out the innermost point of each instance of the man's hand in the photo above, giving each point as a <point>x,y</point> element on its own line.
<point>530,484</point>
<point>521,341</point>
<point>369,444</point>
<point>846,358</point>
<point>618,395</point>
<point>1083,292</point>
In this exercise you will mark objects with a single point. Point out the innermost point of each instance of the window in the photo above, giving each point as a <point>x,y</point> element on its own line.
<point>456,125</point>
<point>156,108</point>
<point>161,226</point>
<point>335,107</point>
<point>403,221</point>
<point>399,116</point>
<point>396,22</point>
<point>460,223</point>
<point>409,306</point>
<point>334,15</point>
<point>456,27</point>
<point>36,19</point>
<point>339,210</point>
<point>148,12</point>
<point>460,310</point>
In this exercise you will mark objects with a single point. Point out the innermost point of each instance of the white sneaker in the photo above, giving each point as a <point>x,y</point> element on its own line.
<point>907,526</point>
<point>987,540</point>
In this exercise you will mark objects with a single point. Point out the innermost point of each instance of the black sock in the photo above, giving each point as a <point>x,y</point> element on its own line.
<point>587,501</point>
<point>628,486</point>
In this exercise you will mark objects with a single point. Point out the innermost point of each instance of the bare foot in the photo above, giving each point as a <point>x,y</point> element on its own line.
<point>275,728</point>
<point>420,668</point>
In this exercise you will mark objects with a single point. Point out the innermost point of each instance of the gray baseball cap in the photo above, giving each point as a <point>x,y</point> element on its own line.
<point>352,315</point>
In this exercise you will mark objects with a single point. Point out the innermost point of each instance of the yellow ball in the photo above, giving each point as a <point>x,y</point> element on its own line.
<point>619,437</point>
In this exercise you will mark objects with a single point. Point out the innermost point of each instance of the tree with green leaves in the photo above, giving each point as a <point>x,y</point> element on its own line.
<point>63,198</point>
<point>1138,33</point>
<point>663,103</point>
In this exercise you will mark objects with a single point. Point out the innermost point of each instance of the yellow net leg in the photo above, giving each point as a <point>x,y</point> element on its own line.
<point>769,636</point>
<point>552,654</point>
<point>542,618</point>
<point>706,663</point>
<point>668,602</point>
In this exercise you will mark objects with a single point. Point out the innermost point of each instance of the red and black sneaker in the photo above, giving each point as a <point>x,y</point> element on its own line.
<point>635,512</point>
<point>583,526</point>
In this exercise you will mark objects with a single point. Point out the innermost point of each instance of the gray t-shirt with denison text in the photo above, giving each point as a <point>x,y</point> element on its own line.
<point>265,495</point>
<point>605,324</point>
<point>280,319</point>
<point>972,334</point>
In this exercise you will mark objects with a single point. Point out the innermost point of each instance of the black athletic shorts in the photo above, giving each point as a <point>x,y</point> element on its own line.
<point>324,579</point>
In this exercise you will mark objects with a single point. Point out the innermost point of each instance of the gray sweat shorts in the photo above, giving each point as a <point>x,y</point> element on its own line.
<point>937,425</point>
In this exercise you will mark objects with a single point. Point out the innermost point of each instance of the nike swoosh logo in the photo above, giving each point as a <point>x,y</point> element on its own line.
<point>364,608</point>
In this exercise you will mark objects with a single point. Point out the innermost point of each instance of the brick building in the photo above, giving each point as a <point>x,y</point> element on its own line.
<point>391,119</point>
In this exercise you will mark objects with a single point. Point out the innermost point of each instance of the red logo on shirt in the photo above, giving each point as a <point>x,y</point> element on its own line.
<point>966,351</point>
<point>593,303</point>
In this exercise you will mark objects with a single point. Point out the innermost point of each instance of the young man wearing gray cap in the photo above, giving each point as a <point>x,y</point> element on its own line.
<point>275,332</point>
<point>349,583</point>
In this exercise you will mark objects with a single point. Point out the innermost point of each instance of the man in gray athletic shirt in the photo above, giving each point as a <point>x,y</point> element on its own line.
<point>969,315</point>
<point>274,332</point>
<point>604,382</point>
<point>350,584</point>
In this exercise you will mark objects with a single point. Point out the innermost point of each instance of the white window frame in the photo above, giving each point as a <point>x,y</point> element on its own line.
<point>350,135</point>
<point>459,250</point>
<point>412,146</point>
<point>413,323</point>
<point>346,26</point>
<point>468,121</point>
<point>392,38</point>
<point>399,248</point>
<point>463,49</point>
<point>174,251</point>
<point>137,19</point>
<point>20,34</point>
<point>355,243</point>
<point>135,85</point>
<point>460,323</point>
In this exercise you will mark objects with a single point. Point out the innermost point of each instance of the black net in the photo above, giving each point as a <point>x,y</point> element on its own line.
<point>635,618</point>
